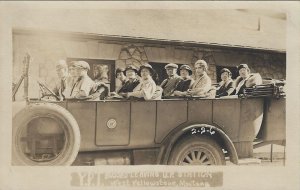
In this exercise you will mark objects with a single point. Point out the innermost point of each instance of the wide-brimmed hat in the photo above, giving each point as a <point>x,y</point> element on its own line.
<point>226,70</point>
<point>171,65</point>
<point>80,64</point>
<point>130,67</point>
<point>186,67</point>
<point>147,66</point>
<point>243,66</point>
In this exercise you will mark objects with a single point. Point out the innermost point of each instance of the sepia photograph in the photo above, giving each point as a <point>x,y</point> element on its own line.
<point>118,95</point>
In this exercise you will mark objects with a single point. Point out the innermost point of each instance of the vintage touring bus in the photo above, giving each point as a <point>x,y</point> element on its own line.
<point>177,131</point>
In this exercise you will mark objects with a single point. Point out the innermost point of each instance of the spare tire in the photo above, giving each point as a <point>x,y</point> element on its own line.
<point>44,134</point>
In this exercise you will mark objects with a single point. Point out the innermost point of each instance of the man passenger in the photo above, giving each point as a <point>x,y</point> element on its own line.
<point>169,84</point>
<point>65,81</point>
<point>132,80</point>
<point>83,84</point>
<point>246,79</point>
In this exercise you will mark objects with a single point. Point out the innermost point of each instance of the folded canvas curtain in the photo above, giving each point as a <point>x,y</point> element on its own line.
<point>272,88</point>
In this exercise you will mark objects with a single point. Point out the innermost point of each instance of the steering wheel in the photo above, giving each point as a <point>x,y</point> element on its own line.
<point>46,92</point>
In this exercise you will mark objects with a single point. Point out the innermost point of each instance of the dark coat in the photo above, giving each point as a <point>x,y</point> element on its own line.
<point>169,85</point>
<point>129,86</point>
<point>223,90</point>
<point>183,85</point>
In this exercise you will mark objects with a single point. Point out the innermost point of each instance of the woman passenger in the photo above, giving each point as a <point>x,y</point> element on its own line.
<point>147,87</point>
<point>226,85</point>
<point>202,84</point>
<point>101,74</point>
<point>102,87</point>
<point>120,78</point>
<point>246,79</point>
<point>186,81</point>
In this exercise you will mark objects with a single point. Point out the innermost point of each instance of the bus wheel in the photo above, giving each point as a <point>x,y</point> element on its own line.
<point>197,151</point>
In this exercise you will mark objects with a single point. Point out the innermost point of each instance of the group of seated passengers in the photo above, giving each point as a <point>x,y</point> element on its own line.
<point>245,79</point>
<point>143,83</point>
<point>184,85</point>
<point>74,82</point>
<point>146,87</point>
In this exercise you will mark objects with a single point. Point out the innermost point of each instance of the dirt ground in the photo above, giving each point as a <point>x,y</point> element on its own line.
<point>263,154</point>
<point>262,157</point>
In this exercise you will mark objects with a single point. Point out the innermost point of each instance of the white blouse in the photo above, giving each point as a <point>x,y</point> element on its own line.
<point>146,89</point>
